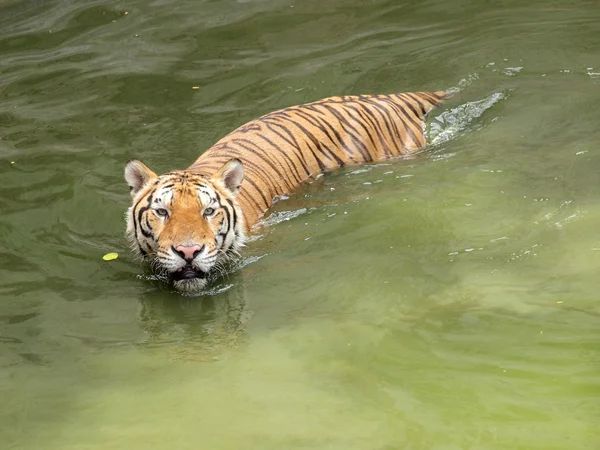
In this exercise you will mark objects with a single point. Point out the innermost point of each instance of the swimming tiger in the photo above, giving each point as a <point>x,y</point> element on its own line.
<point>187,223</point>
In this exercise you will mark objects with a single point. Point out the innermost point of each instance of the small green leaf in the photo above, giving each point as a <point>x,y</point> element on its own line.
<point>110,256</point>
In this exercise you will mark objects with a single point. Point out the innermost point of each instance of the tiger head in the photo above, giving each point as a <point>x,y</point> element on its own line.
<point>186,224</point>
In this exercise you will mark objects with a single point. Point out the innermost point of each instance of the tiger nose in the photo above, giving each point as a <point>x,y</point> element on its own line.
<point>188,252</point>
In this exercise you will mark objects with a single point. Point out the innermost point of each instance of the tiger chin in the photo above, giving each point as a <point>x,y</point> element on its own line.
<point>186,225</point>
<point>189,223</point>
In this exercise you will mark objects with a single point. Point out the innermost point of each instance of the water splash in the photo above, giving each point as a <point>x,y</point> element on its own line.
<point>463,84</point>
<point>450,123</point>
<point>216,290</point>
<point>282,216</point>
<point>511,71</point>
<point>592,74</point>
<point>249,260</point>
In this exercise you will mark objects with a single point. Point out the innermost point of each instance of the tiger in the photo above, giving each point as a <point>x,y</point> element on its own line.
<point>189,223</point>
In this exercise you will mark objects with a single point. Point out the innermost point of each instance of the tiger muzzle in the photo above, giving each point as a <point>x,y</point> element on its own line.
<point>188,272</point>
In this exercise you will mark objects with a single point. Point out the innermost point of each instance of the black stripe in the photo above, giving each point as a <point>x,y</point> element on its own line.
<point>387,120</point>
<point>267,203</point>
<point>293,143</point>
<point>431,98</point>
<point>368,128</point>
<point>309,117</point>
<point>137,221</point>
<point>290,163</point>
<point>322,167</point>
<point>418,101</point>
<point>394,119</point>
<point>259,172</point>
<point>322,124</point>
<point>246,195</point>
<point>325,151</point>
<point>211,168</point>
<point>148,227</point>
<point>141,212</point>
<point>371,117</point>
<point>357,140</point>
<point>227,212</point>
<point>408,117</point>
<point>367,117</point>
<point>409,106</point>
<point>262,156</point>
<point>233,213</point>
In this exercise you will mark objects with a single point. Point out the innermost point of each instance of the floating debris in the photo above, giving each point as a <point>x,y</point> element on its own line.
<point>110,256</point>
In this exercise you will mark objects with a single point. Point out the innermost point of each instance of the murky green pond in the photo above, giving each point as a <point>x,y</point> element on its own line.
<point>450,301</point>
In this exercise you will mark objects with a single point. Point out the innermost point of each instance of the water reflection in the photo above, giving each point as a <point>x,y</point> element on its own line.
<point>199,327</point>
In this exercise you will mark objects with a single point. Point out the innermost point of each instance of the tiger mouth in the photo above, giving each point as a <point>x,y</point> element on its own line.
<point>187,273</point>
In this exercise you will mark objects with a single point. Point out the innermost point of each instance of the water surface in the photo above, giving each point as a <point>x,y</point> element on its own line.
<point>447,301</point>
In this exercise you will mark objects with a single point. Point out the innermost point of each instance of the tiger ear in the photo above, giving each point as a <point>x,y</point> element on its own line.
<point>231,175</point>
<point>137,174</point>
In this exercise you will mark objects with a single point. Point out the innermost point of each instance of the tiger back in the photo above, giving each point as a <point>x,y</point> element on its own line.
<point>283,149</point>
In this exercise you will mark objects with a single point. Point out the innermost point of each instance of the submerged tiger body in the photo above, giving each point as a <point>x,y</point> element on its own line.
<point>188,222</point>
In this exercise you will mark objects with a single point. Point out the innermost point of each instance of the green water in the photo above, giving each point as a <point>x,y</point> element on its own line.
<point>444,302</point>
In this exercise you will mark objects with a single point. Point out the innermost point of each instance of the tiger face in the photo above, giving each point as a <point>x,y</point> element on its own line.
<point>185,224</point>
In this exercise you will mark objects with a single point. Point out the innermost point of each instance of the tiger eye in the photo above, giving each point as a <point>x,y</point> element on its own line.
<point>161,212</point>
